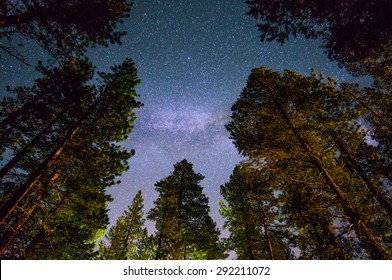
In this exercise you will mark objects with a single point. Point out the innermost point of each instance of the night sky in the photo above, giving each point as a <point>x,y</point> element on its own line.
<point>193,57</point>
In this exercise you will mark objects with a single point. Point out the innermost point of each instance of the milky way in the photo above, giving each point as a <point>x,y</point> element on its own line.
<point>193,59</point>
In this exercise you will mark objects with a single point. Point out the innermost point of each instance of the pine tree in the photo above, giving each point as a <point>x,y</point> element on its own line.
<point>79,150</point>
<point>184,229</point>
<point>288,123</point>
<point>252,216</point>
<point>64,28</point>
<point>124,237</point>
<point>357,34</point>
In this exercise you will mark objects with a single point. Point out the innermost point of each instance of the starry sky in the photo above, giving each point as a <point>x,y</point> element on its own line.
<point>193,57</point>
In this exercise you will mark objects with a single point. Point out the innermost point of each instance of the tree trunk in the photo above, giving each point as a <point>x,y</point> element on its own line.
<point>377,191</point>
<point>25,188</point>
<point>12,230</point>
<point>266,232</point>
<point>249,242</point>
<point>14,115</point>
<point>364,234</point>
<point>30,145</point>
<point>339,253</point>
<point>180,198</point>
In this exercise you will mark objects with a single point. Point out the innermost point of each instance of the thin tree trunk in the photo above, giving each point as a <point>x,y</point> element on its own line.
<point>373,112</point>
<point>180,198</point>
<point>377,191</point>
<point>12,230</point>
<point>14,115</point>
<point>364,234</point>
<point>11,164</point>
<point>266,232</point>
<point>25,188</point>
<point>332,238</point>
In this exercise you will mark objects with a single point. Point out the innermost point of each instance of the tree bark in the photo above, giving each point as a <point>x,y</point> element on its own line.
<point>12,230</point>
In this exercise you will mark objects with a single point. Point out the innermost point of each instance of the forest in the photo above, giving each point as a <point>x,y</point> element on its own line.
<point>314,182</point>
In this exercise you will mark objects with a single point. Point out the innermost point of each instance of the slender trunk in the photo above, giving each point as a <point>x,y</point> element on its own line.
<point>159,246</point>
<point>180,198</point>
<point>13,230</point>
<point>364,234</point>
<point>14,115</point>
<point>25,188</point>
<point>373,112</point>
<point>39,242</point>
<point>11,164</point>
<point>377,191</point>
<point>327,230</point>
<point>266,232</point>
<point>158,251</point>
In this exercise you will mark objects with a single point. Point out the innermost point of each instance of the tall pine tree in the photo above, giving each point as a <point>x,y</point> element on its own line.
<point>184,229</point>
<point>303,130</point>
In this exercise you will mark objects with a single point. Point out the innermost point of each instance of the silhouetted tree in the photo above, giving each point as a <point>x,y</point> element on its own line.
<point>124,237</point>
<point>61,166</point>
<point>184,229</point>
<point>62,28</point>
<point>357,34</point>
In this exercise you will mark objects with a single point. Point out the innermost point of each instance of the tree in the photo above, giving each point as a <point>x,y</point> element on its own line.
<point>124,237</point>
<point>184,229</point>
<point>252,216</point>
<point>62,28</point>
<point>287,123</point>
<point>64,170</point>
<point>357,34</point>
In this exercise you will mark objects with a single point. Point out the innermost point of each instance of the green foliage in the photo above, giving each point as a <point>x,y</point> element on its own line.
<point>306,133</point>
<point>125,236</point>
<point>184,229</point>
<point>75,128</point>
<point>252,216</point>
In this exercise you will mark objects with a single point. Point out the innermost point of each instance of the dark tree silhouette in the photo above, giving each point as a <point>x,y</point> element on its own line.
<point>357,34</point>
<point>62,28</point>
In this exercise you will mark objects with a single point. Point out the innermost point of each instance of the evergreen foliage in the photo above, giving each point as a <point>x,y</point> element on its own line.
<point>184,229</point>
<point>252,216</point>
<point>59,142</point>
<point>62,28</point>
<point>307,134</point>
<point>125,236</point>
